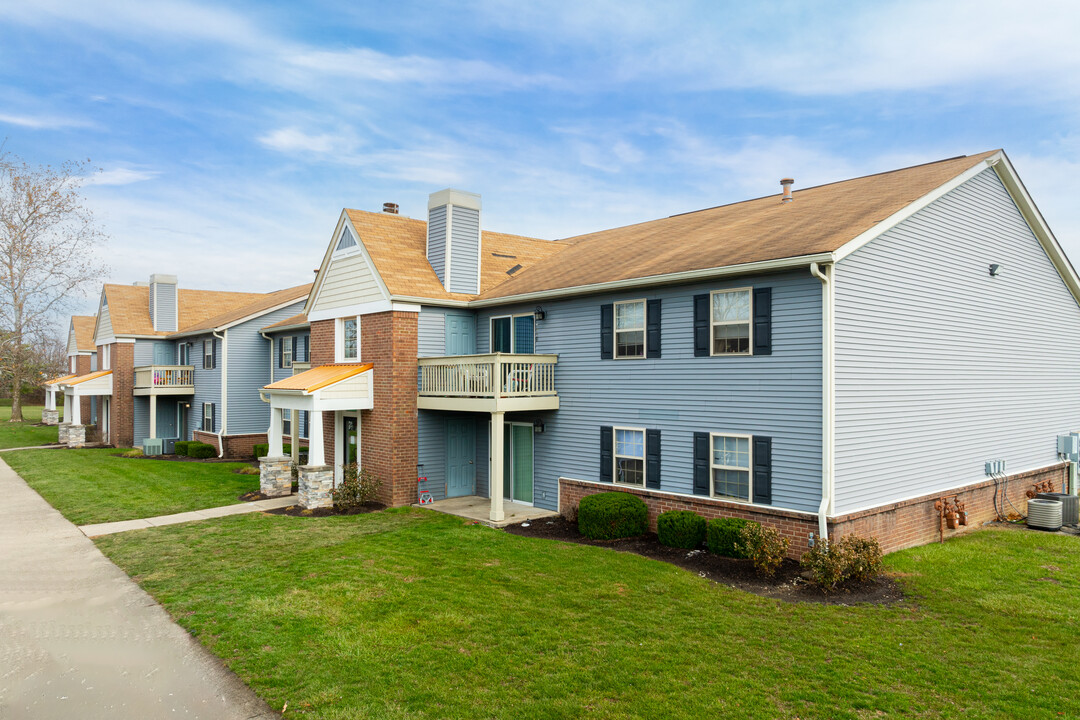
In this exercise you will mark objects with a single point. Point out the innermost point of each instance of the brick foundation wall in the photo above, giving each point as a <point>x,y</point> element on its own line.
<point>236,446</point>
<point>896,526</point>
<point>82,367</point>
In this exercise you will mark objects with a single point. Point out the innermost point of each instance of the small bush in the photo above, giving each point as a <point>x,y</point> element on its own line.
<point>261,449</point>
<point>201,450</point>
<point>848,558</point>
<point>181,447</point>
<point>357,487</point>
<point>132,453</point>
<point>247,470</point>
<point>612,515</point>
<point>681,529</point>
<point>764,546</point>
<point>723,536</point>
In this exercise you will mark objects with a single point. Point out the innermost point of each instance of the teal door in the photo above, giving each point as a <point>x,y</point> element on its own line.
<point>460,334</point>
<point>166,419</point>
<point>518,462</point>
<point>460,457</point>
<point>164,354</point>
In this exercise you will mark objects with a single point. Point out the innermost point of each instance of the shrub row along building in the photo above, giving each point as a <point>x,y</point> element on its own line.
<point>828,360</point>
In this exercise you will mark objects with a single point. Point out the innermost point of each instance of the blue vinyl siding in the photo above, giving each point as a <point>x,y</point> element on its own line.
<point>679,394</point>
<point>207,385</point>
<point>431,332</point>
<point>437,241</point>
<point>163,302</point>
<point>464,250</point>
<point>250,369</point>
<point>302,339</point>
<point>940,367</point>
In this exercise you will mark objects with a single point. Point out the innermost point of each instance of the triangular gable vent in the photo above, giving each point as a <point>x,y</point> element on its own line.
<point>347,241</point>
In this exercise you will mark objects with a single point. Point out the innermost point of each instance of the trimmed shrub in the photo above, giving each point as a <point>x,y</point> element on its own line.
<point>133,452</point>
<point>612,515</point>
<point>723,536</point>
<point>681,529</point>
<point>848,558</point>
<point>357,487</point>
<point>261,449</point>
<point>826,564</point>
<point>201,450</point>
<point>247,470</point>
<point>863,557</point>
<point>181,447</point>
<point>764,546</point>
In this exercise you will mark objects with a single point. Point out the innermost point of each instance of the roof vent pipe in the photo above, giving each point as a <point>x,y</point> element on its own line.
<point>391,208</point>
<point>786,183</point>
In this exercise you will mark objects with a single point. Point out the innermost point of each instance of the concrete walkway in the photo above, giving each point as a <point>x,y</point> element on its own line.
<point>190,516</point>
<point>79,639</point>
<point>33,447</point>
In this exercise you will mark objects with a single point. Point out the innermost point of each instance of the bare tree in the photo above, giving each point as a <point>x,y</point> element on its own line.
<point>48,239</point>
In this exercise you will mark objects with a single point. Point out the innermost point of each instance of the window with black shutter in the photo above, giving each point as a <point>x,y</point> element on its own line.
<point>606,462</point>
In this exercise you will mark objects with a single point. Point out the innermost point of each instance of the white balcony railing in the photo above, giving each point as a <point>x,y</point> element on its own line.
<point>488,376</point>
<point>158,378</point>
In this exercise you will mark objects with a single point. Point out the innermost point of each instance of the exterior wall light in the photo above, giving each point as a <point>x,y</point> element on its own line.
<point>539,313</point>
<point>538,426</point>
<point>995,270</point>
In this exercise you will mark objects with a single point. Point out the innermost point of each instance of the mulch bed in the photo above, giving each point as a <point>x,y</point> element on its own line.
<point>297,511</point>
<point>788,583</point>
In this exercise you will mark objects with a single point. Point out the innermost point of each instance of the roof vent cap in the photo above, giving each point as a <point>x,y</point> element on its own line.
<point>391,208</point>
<point>786,183</point>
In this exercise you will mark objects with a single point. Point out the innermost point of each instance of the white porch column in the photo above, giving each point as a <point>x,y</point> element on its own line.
<point>316,456</point>
<point>495,489</point>
<point>294,426</point>
<point>67,409</point>
<point>153,416</point>
<point>275,449</point>
<point>77,410</point>
<point>50,398</point>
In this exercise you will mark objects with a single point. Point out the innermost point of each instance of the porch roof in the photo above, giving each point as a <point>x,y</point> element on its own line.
<point>79,379</point>
<point>60,380</point>
<point>319,377</point>
<point>95,383</point>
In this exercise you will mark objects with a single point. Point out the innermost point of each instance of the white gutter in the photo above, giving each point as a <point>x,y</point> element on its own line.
<point>828,394</point>
<point>224,337</point>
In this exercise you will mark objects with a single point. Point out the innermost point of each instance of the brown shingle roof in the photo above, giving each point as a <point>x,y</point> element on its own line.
<point>294,321</point>
<point>820,219</point>
<point>264,303</point>
<point>398,247</point>
<point>84,332</point>
<point>129,307</point>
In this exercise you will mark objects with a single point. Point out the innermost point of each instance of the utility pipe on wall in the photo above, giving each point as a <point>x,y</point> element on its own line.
<point>824,273</point>
<point>224,337</point>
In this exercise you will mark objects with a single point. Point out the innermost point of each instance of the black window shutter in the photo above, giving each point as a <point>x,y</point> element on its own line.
<point>762,470</point>
<point>652,328</point>
<point>607,332</point>
<point>213,357</point>
<point>204,366</point>
<point>701,325</point>
<point>281,353</point>
<point>304,344</point>
<point>701,462</point>
<point>652,459</point>
<point>606,449</point>
<point>763,321</point>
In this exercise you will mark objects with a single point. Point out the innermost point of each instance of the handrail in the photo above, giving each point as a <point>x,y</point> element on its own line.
<point>488,375</point>
<point>164,376</point>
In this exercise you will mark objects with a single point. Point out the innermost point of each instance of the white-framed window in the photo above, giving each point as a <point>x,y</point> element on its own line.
<point>106,357</point>
<point>208,417</point>
<point>729,323</point>
<point>630,329</point>
<point>347,343</point>
<point>208,354</point>
<point>286,423</point>
<point>72,363</point>
<point>183,352</point>
<point>287,351</point>
<point>730,459</point>
<point>629,456</point>
<point>513,334</point>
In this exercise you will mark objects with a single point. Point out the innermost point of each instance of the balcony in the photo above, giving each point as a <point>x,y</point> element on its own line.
<point>165,380</point>
<point>497,382</point>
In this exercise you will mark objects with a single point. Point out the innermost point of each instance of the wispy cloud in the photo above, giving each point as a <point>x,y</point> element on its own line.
<point>292,139</point>
<point>43,122</point>
<point>120,176</point>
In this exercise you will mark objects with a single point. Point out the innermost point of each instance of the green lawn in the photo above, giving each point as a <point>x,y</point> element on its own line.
<point>93,486</point>
<point>26,433</point>
<point>411,614</point>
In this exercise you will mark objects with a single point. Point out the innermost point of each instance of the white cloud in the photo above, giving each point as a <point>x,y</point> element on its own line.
<point>292,139</point>
<point>42,122</point>
<point>120,176</point>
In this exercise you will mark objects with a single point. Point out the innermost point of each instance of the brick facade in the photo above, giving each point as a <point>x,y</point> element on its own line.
<point>388,433</point>
<point>896,526</point>
<point>122,402</point>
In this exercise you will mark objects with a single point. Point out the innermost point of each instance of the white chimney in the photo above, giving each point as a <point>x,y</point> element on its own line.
<point>164,310</point>
<point>453,241</point>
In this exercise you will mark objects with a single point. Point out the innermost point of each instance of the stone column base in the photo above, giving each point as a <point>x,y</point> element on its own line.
<point>316,482</point>
<point>50,417</point>
<point>76,436</point>
<point>275,476</point>
<point>62,433</point>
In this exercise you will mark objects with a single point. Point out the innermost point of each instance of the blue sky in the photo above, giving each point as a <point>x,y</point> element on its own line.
<point>231,134</point>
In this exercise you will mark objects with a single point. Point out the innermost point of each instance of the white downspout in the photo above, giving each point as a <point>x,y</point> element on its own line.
<point>827,397</point>
<point>224,337</point>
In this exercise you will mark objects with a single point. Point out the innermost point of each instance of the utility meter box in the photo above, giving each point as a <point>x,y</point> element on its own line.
<point>1067,445</point>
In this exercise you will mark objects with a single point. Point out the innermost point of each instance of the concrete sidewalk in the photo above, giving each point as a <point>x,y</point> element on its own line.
<point>190,516</point>
<point>79,639</point>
